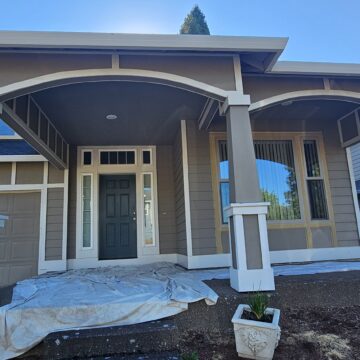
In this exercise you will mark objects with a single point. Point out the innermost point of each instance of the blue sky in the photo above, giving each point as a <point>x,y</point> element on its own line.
<point>319,30</point>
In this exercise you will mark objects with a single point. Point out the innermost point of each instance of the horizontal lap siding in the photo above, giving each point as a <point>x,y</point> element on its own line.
<point>201,195</point>
<point>166,200</point>
<point>179,197</point>
<point>54,224</point>
<point>340,187</point>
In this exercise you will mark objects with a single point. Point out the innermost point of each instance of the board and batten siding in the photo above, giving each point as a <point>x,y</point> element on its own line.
<point>181,245</point>
<point>201,194</point>
<point>166,199</point>
<point>355,155</point>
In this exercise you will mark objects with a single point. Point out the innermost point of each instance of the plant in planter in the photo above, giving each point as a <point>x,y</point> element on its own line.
<point>256,328</point>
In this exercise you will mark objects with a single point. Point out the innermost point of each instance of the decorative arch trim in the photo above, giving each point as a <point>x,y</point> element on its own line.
<point>343,95</point>
<point>93,75</point>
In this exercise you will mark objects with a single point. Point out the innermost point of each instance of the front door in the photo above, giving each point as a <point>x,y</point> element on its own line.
<point>117,217</point>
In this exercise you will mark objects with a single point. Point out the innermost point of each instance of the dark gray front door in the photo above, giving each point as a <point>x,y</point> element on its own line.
<point>117,217</point>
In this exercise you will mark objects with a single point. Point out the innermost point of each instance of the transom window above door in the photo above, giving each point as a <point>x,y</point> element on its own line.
<point>122,157</point>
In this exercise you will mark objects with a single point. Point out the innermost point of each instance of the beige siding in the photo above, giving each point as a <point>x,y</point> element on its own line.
<point>21,66</point>
<point>71,243</point>
<point>55,175</point>
<point>262,87</point>
<point>340,187</point>
<point>201,195</point>
<point>5,173</point>
<point>29,172</point>
<point>217,71</point>
<point>54,224</point>
<point>166,199</point>
<point>179,197</point>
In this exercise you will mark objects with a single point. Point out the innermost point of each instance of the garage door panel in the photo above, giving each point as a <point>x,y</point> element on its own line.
<point>4,274</point>
<point>23,250</point>
<point>4,250</point>
<point>20,272</point>
<point>19,239</point>
<point>4,205</point>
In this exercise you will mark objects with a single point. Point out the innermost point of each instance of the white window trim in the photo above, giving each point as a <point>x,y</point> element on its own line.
<point>137,169</point>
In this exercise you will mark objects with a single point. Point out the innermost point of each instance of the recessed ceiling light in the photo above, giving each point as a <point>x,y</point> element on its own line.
<point>111,117</point>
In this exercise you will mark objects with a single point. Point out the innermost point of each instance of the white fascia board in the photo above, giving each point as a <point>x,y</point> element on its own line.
<point>315,68</point>
<point>111,41</point>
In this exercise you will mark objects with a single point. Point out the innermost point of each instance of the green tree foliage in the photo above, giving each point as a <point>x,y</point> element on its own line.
<point>195,23</point>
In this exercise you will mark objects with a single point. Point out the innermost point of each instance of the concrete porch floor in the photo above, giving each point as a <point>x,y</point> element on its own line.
<point>324,303</point>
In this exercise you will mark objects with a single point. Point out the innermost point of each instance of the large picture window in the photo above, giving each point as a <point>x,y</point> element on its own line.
<point>279,179</point>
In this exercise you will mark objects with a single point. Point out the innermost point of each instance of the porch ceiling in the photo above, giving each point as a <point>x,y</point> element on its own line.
<point>148,114</point>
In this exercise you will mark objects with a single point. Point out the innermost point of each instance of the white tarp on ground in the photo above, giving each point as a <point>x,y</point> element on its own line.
<point>119,295</point>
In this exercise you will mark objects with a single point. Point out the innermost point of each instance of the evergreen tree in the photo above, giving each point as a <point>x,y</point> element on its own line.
<point>195,23</point>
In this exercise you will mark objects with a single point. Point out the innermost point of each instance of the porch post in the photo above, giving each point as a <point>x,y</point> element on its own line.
<point>250,269</point>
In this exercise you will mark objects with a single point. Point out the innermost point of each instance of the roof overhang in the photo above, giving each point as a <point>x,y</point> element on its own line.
<point>269,48</point>
<point>315,68</point>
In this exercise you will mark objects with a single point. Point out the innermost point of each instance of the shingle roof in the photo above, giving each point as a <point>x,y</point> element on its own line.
<point>16,147</point>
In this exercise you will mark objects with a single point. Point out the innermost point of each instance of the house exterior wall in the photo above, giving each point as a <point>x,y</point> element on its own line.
<point>341,198</point>
<point>201,195</point>
<point>71,242</point>
<point>339,178</point>
<point>260,87</point>
<point>216,70</point>
<point>166,200</point>
<point>54,224</point>
<point>181,245</point>
<point>24,176</point>
<point>16,67</point>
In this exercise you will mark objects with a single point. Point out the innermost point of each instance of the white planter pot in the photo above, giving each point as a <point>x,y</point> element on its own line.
<point>256,339</point>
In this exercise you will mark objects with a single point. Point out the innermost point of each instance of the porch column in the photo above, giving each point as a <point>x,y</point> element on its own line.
<point>250,269</point>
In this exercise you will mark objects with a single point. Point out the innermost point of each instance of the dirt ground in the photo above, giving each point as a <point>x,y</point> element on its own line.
<point>320,319</point>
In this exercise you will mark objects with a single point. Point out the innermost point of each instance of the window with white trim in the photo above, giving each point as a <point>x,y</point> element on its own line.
<point>275,164</point>
<point>86,210</point>
<point>315,181</point>
<point>149,238</point>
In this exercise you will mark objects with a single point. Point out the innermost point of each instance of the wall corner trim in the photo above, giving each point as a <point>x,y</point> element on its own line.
<point>185,166</point>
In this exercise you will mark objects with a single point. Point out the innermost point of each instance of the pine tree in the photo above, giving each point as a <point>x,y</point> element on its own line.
<point>195,23</point>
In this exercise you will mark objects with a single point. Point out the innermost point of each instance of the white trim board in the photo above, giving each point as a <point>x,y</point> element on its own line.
<point>185,166</point>
<point>22,158</point>
<point>353,187</point>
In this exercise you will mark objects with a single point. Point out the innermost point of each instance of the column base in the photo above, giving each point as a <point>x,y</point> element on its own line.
<point>252,280</point>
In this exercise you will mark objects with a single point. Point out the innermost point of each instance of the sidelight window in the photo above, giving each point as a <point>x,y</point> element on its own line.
<point>149,238</point>
<point>86,210</point>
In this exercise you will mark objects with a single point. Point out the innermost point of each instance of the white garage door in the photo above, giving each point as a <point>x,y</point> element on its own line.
<point>19,236</point>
